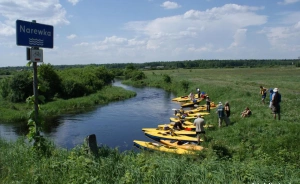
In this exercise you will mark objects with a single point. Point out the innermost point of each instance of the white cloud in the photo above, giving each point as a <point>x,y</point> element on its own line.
<point>283,38</point>
<point>285,2</point>
<point>239,37</point>
<point>297,25</point>
<point>170,5</point>
<point>114,40</point>
<point>82,44</point>
<point>289,18</point>
<point>216,27</point>
<point>72,36</point>
<point>6,30</point>
<point>205,48</point>
<point>212,33</point>
<point>46,12</point>
<point>73,2</point>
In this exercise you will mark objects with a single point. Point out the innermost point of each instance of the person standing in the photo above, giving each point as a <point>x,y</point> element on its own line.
<point>271,95</point>
<point>191,96</point>
<point>227,112</point>
<point>263,92</point>
<point>276,99</point>
<point>199,92</point>
<point>221,114</point>
<point>199,124</point>
<point>207,104</point>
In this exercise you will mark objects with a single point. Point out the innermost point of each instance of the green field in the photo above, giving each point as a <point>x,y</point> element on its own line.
<point>257,149</point>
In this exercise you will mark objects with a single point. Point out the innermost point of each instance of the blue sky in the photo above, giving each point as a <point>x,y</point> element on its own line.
<point>138,31</point>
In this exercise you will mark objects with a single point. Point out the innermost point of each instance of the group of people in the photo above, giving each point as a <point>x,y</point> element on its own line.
<point>223,111</point>
<point>275,99</point>
<point>192,96</point>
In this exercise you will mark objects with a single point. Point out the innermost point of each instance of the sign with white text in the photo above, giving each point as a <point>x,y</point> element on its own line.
<point>34,34</point>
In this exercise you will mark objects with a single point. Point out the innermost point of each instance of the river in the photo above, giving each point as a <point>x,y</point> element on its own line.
<point>116,124</point>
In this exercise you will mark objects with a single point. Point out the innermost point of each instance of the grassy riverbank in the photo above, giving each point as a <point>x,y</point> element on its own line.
<point>20,164</point>
<point>17,112</point>
<point>257,149</point>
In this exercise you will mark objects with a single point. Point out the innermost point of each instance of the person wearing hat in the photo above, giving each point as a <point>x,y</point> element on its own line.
<point>199,124</point>
<point>199,92</point>
<point>221,114</point>
<point>207,103</point>
<point>276,99</point>
<point>263,92</point>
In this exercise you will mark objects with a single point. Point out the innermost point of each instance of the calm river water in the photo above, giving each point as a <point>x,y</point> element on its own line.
<point>115,125</point>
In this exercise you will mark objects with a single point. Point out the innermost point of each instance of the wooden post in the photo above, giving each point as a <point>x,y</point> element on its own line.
<point>91,142</point>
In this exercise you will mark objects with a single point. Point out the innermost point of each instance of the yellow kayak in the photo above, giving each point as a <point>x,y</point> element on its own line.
<point>195,114</point>
<point>183,98</point>
<point>190,103</point>
<point>160,147</point>
<point>201,108</point>
<point>189,118</point>
<point>158,136</point>
<point>189,124</point>
<point>173,120</point>
<point>186,127</point>
<point>186,146</point>
<point>178,132</point>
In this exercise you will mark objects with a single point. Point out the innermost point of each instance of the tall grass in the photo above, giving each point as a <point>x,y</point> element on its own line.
<point>19,163</point>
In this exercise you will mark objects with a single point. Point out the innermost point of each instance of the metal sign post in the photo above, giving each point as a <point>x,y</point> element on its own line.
<point>34,35</point>
<point>35,87</point>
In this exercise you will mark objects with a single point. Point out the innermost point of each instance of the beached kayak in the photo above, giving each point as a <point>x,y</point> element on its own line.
<point>186,127</point>
<point>144,145</point>
<point>186,146</point>
<point>178,132</point>
<point>157,136</point>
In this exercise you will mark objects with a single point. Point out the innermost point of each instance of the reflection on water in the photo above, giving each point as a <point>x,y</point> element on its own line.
<point>116,124</point>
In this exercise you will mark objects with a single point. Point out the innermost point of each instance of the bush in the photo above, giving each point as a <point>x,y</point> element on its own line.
<point>73,89</point>
<point>184,85</point>
<point>21,86</point>
<point>167,78</point>
<point>5,88</point>
<point>49,79</point>
<point>138,75</point>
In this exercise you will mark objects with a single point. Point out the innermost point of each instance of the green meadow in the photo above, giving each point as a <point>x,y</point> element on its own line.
<point>256,149</point>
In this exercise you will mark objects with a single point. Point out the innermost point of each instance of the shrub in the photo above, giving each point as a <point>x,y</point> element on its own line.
<point>21,86</point>
<point>167,78</point>
<point>5,88</point>
<point>184,85</point>
<point>138,75</point>
<point>49,79</point>
<point>72,89</point>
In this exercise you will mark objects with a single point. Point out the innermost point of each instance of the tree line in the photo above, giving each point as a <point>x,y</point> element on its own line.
<point>187,64</point>
<point>67,83</point>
